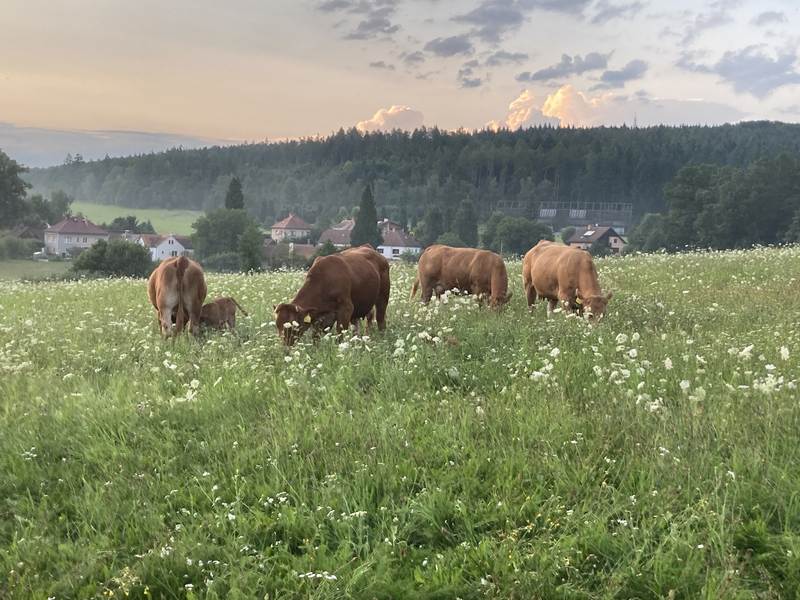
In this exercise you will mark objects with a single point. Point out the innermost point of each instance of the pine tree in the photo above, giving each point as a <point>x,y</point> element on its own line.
<point>465,224</point>
<point>433,226</point>
<point>234,197</point>
<point>251,249</point>
<point>365,230</point>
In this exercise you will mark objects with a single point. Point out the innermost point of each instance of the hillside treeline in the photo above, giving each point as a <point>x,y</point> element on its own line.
<point>322,179</point>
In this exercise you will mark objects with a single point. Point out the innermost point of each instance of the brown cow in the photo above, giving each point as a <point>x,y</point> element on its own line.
<point>478,272</point>
<point>177,289</point>
<point>221,313</point>
<point>340,288</point>
<point>563,274</point>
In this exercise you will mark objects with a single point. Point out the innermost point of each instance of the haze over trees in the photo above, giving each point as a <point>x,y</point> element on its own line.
<point>413,172</point>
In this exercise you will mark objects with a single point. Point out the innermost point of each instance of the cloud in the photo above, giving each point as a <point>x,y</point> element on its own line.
<point>569,107</point>
<point>769,17</point>
<point>501,56</point>
<point>493,19</point>
<point>40,147</point>
<point>607,11</point>
<point>749,70</point>
<point>466,76</point>
<point>567,67</point>
<point>572,107</point>
<point>523,112</point>
<point>374,16</point>
<point>635,69</point>
<point>394,117</point>
<point>379,64</point>
<point>413,58</point>
<point>450,46</point>
<point>718,15</point>
<point>375,23</point>
<point>564,6</point>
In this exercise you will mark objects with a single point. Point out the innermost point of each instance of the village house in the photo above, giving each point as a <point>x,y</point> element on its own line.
<point>291,228</point>
<point>162,247</point>
<point>396,241</point>
<point>584,238</point>
<point>71,235</point>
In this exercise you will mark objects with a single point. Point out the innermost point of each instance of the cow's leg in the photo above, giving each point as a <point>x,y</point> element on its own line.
<point>427,291</point>
<point>552,303</point>
<point>530,294</point>
<point>344,316</point>
<point>193,308</point>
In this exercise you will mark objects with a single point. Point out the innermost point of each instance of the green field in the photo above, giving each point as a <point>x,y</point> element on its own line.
<point>462,453</point>
<point>31,269</point>
<point>163,220</point>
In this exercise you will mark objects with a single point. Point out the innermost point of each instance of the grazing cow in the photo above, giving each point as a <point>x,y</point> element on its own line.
<point>220,313</point>
<point>177,289</point>
<point>341,288</point>
<point>562,274</point>
<point>478,272</point>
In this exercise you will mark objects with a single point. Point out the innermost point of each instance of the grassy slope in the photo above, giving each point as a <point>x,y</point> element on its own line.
<point>518,457</point>
<point>164,220</point>
<point>31,269</point>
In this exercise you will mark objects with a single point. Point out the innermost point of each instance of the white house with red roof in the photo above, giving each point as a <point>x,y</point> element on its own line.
<point>396,241</point>
<point>162,247</point>
<point>72,234</point>
<point>290,228</point>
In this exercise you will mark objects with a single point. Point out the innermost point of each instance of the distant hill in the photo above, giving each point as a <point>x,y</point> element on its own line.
<point>322,179</point>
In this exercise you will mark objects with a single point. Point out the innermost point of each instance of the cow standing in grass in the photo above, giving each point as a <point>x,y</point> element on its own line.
<point>565,275</point>
<point>177,289</point>
<point>478,272</point>
<point>339,289</point>
<point>221,313</point>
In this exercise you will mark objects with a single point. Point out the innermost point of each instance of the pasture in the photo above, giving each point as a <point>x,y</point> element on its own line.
<point>164,220</point>
<point>32,269</point>
<point>462,453</point>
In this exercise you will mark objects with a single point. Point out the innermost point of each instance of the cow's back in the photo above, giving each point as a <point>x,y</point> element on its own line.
<point>555,266</point>
<point>349,275</point>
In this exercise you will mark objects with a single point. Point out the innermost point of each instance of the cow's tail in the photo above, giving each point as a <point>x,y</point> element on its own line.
<point>244,312</point>
<point>180,269</point>
<point>415,287</point>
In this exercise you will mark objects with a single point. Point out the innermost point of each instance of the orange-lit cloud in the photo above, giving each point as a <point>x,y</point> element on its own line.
<point>394,117</point>
<point>568,106</point>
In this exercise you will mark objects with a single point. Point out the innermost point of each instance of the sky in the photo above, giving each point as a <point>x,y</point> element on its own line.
<point>116,77</point>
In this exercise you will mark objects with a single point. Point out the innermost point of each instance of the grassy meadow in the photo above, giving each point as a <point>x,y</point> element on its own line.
<point>461,454</point>
<point>164,220</point>
<point>31,269</point>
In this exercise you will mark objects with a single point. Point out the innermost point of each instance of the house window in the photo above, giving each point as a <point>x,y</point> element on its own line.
<point>85,239</point>
<point>547,213</point>
<point>577,213</point>
<point>170,241</point>
<point>174,253</point>
<point>395,251</point>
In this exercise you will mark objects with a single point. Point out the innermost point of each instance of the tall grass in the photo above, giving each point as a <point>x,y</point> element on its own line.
<point>462,453</point>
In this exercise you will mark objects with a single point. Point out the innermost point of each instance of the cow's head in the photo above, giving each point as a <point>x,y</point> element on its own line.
<point>501,301</point>
<point>594,307</point>
<point>291,321</point>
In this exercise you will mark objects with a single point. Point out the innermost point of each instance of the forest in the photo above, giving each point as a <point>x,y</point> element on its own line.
<point>322,179</point>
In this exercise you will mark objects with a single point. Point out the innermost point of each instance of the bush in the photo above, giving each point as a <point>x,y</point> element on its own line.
<point>410,257</point>
<point>451,239</point>
<point>226,262</point>
<point>118,258</point>
<point>14,247</point>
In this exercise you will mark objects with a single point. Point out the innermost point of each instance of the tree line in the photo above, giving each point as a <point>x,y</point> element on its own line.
<point>322,179</point>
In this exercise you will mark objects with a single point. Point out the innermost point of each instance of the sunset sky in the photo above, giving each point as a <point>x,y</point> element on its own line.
<point>107,76</point>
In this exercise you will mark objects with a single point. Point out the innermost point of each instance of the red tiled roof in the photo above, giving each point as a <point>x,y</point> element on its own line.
<point>399,239</point>
<point>152,240</point>
<point>338,237</point>
<point>76,225</point>
<point>292,222</point>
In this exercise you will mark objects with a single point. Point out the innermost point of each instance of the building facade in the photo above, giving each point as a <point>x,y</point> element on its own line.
<point>162,247</point>
<point>290,228</point>
<point>584,238</point>
<point>71,235</point>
